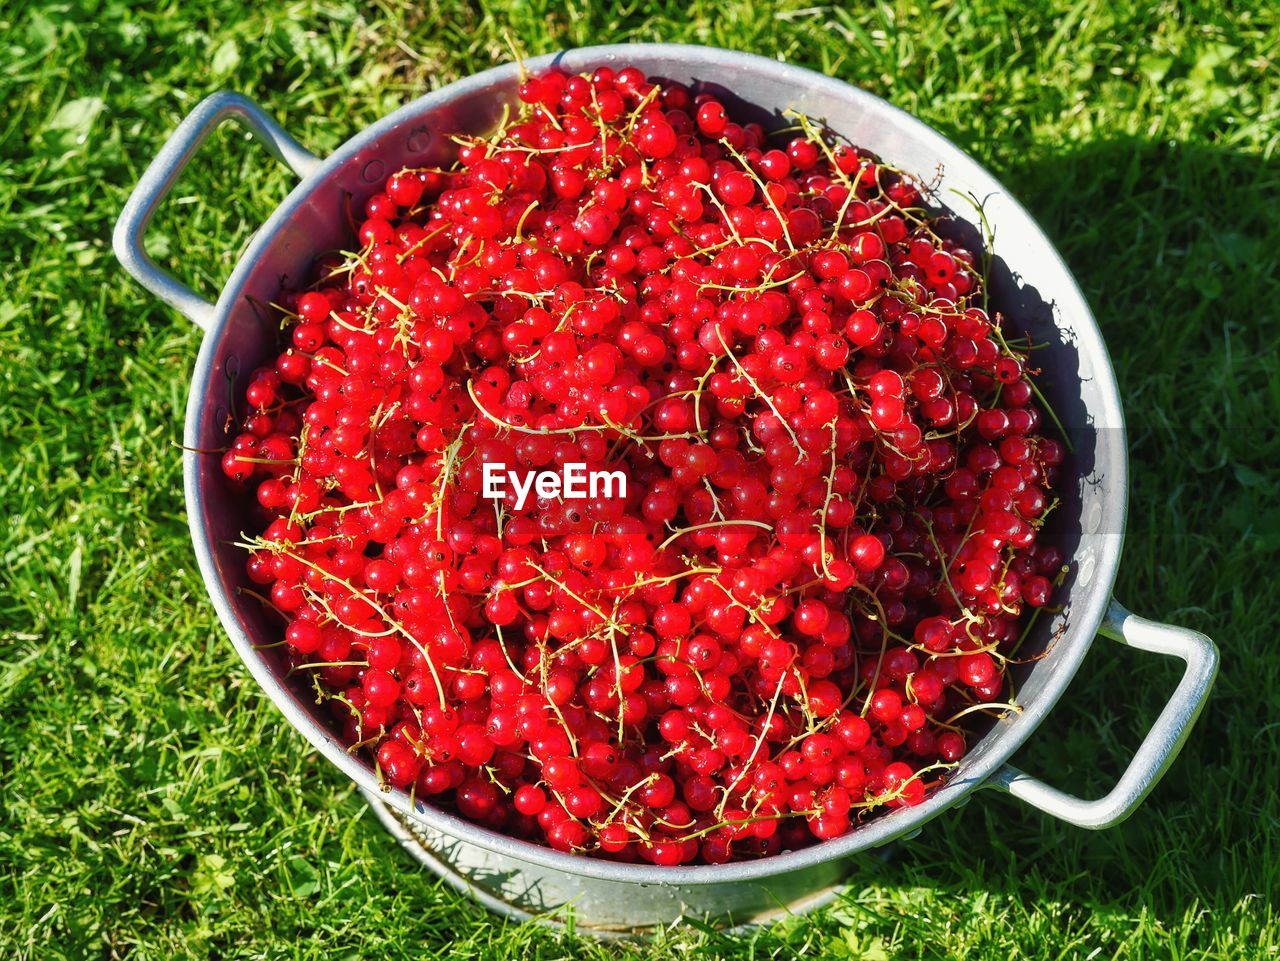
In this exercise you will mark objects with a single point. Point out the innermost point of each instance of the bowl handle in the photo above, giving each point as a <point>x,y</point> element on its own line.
<point>1162,742</point>
<point>169,163</point>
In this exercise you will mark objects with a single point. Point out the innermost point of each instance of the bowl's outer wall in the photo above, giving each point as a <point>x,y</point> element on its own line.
<point>1029,282</point>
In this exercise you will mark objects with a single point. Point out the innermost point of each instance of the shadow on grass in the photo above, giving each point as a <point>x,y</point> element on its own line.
<point>1174,246</point>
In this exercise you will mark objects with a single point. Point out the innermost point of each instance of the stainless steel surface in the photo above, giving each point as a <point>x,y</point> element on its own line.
<point>1029,282</point>
<point>1158,748</point>
<point>160,176</point>
<point>606,906</point>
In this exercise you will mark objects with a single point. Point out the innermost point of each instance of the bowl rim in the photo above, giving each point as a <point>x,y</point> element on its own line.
<point>1069,650</point>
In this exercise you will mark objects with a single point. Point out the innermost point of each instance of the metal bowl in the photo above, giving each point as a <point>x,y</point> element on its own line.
<point>1030,284</point>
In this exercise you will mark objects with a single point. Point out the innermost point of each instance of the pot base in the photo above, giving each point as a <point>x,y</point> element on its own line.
<point>596,909</point>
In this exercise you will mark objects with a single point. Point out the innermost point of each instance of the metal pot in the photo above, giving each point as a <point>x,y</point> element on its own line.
<point>1030,283</point>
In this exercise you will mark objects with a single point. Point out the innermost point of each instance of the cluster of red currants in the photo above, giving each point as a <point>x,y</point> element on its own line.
<point>836,481</point>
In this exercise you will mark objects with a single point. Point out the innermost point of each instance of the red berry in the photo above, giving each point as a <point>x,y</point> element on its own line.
<point>867,552</point>
<point>835,480</point>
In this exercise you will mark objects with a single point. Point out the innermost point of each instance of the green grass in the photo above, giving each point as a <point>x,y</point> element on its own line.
<point>154,805</point>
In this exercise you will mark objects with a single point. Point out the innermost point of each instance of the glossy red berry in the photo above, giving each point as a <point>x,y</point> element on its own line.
<point>836,477</point>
